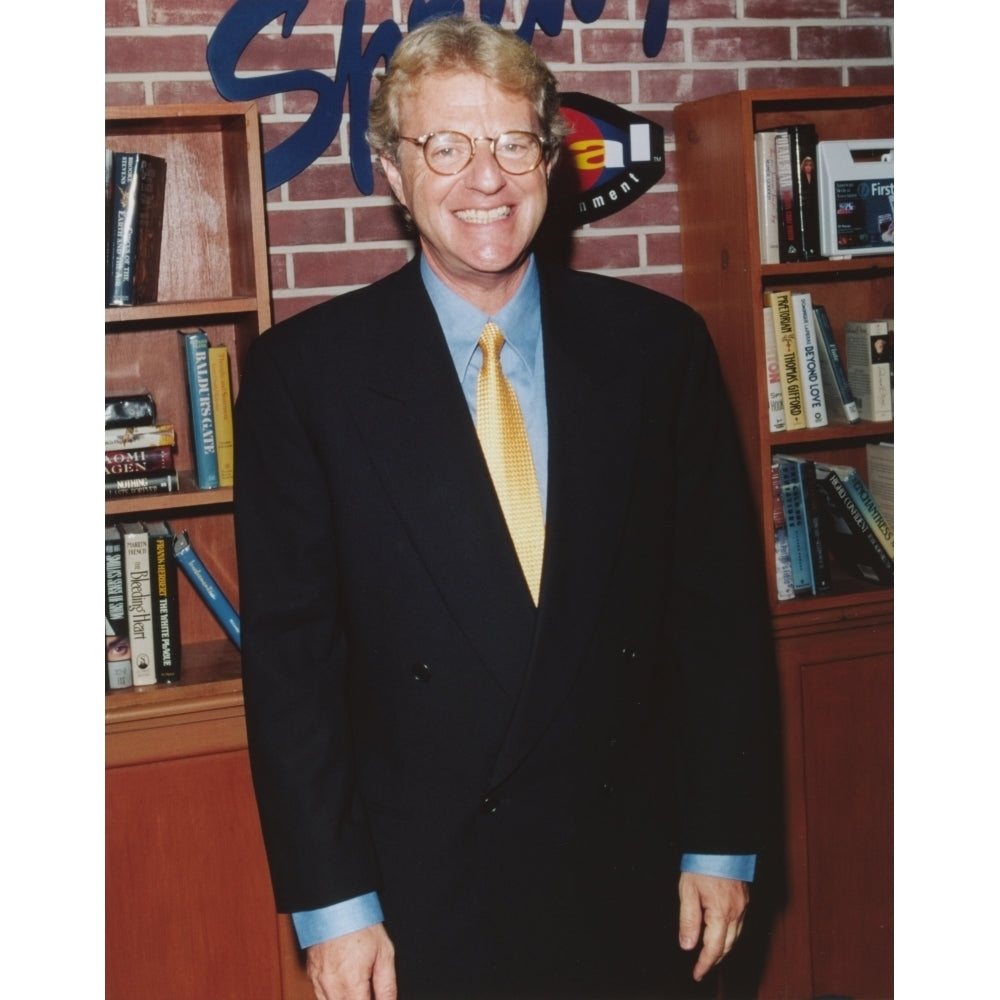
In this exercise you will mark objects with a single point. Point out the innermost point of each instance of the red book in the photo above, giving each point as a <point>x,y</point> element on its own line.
<point>138,461</point>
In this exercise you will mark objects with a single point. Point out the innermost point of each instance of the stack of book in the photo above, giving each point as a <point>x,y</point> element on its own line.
<point>138,450</point>
<point>822,510</point>
<point>134,189</point>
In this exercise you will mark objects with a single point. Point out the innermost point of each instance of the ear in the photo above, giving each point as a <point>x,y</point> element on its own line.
<point>394,178</point>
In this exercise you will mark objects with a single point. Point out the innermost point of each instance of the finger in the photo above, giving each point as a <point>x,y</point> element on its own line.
<point>384,979</point>
<point>713,947</point>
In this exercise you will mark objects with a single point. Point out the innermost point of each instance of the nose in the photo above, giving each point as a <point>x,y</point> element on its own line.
<point>483,172</point>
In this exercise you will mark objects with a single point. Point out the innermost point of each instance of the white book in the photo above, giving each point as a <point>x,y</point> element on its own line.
<point>139,602</point>
<point>869,349</point>
<point>880,477</point>
<point>767,196</point>
<point>807,342</point>
<point>775,402</point>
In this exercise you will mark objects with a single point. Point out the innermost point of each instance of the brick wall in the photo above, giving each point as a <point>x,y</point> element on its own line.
<point>326,237</point>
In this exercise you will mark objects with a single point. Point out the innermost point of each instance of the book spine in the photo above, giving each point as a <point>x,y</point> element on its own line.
<point>793,504</point>
<point>124,205</point>
<point>838,389</point>
<point>813,397</point>
<point>222,411</point>
<point>139,603</point>
<point>153,436</point>
<point>782,555</point>
<point>166,609</point>
<point>870,380</point>
<point>138,461</point>
<point>788,357</point>
<point>132,486</point>
<point>819,557</point>
<point>129,410</point>
<point>803,140</point>
<point>881,477</point>
<point>868,506</point>
<point>788,237</point>
<point>767,197</point>
<point>217,602</point>
<point>200,399</point>
<point>117,658</point>
<point>149,228</point>
<point>775,398</point>
<point>856,545</point>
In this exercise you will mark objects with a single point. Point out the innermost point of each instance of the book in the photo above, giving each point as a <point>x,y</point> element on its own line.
<point>133,486</point>
<point>144,436</point>
<point>840,402</point>
<point>806,337</point>
<point>139,601</point>
<point>865,500</point>
<point>139,185</point>
<point>200,400</point>
<point>129,409</point>
<point>209,591</point>
<point>166,610</point>
<point>797,526</point>
<point>880,476</point>
<point>803,139</point>
<point>782,555</point>
<point>117,656</point>
<point>812,504</point>
<point>767,196</point>
<point>788,235</point>
<point>775,398</point>
<point>121,462</point>
<point>780,303</point>
<point>869,348</point>
<point>222,411</point>
<point>852,541</point>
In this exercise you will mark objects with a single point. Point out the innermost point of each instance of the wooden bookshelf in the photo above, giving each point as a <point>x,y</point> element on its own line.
<point>189,910</point>
<point>830,899</point>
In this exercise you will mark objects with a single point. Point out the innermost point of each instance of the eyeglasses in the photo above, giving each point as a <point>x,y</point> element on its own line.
<point>451,152</point>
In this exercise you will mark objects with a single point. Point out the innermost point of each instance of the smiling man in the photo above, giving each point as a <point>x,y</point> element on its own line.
<point>503,618</point>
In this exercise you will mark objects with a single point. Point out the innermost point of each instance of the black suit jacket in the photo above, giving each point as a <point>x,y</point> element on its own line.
<point>516,783</point>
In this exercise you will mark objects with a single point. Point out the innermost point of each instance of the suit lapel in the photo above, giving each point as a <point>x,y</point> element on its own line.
<point>593,404</point>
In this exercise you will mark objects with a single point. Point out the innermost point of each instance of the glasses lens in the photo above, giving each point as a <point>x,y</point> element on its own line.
<point>518,152</point>
<point>447,152</point>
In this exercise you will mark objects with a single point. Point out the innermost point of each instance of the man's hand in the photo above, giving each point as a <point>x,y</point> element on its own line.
<point>357,966</point>
<point>718,905</point>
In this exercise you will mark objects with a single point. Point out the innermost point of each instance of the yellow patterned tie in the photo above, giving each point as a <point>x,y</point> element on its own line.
<point>505,444</point>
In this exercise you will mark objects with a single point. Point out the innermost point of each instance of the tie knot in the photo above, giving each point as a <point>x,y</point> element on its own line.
<point>491,341</point>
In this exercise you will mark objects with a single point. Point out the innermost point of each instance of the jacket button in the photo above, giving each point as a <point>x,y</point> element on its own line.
<point>422,672</point>
<point>629,652</point>
<point>489,805</point>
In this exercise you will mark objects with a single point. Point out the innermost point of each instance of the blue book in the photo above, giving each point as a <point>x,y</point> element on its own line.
<point>797,524</point>
<point>840,399</point>
<point>208,590</point>
<point>202,415</point>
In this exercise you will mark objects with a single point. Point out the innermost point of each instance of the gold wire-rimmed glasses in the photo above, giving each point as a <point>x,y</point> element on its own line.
<point>450,153</point>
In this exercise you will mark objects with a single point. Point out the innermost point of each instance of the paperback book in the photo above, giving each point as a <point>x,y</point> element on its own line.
<point>117,655</point>
<point>139,602</point>
<point>841,405</point>
<point>166,617</point>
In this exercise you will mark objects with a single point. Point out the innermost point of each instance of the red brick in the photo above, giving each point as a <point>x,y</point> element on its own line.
<point>271,51</point>
<point>121,14</point>
<point>295,227</point>
<point>322,182</point>
<point>792,75</point>
<point>331,12</point>
<point>610,85</point>
<point>380,223</point>
<point>605,252</point>
<point>186,92</point>
<point>154,53</point>
<point>345,267</point>
<point>554,50</point>
<point>275,132</point>
<point>278,265</point>
<point>741,44</point>
<point>857,42</point>
<point>789,9</point>
<point>187,12</point>
<point>858,76</point>
<point>869,8</point>
<point>617,45</point>
<point>663,249</point>
<point>675,86</point>
<point>124,94</point>
<point>654,208</point>
<point>690,10</point>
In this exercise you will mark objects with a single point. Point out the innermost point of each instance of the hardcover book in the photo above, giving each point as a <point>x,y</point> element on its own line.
<point>222,411</point>
<point>788,234</point>
<point>780,303</point>
<point>819,563</point>
<point>782,554</point>
<point>139,184</point>
<point>841,405</point>
<point>767,196</point>
<point>803,139</point>
<point>145,436</point>
<point>200,400</point>
<point>869,348</point>
<point>881,476</point>
<point>133,486</point>
<point>138,461</point>
<point>813,397</point>
<point>865,500</point>
<point>206,587</point>
<point>797,525</point>
<point>117,657</point>
<point>166,619</point>
<point>139,602</point>
<point>129,409</point>
<point>775,397</point>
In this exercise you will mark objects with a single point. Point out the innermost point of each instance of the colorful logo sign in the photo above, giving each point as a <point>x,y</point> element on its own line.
<point>614,156</point>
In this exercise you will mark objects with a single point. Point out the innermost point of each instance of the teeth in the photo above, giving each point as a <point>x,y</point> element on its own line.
<point>480,216</point>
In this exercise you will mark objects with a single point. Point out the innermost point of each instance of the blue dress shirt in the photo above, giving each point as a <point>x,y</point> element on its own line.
<point>523,363</point>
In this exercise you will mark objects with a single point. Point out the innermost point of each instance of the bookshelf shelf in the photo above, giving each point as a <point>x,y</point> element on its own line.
<point>830,908</point>
<point>183,312</point>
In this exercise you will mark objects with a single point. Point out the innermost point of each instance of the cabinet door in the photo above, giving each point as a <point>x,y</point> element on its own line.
<point>189,910</point>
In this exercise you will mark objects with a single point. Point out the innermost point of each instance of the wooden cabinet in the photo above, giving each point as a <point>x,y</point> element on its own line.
<point>831,902</point>
<point>189,911</point>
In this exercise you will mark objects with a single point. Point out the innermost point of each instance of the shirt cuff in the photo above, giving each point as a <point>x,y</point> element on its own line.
<point>313,926</point>
<point>737,866</point>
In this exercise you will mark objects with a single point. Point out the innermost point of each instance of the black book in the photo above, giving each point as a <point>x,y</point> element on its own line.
<point>129,409</point>
<point>166,611</point>
<point>117,656</point>
<point>798,197</point>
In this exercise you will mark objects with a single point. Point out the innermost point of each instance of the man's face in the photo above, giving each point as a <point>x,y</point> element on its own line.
<point>474,226</point>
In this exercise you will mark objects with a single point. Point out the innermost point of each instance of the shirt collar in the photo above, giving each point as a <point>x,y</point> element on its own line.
<point>519,319</point>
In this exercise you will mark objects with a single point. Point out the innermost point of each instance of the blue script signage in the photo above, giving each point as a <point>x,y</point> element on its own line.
<point>356,64</point>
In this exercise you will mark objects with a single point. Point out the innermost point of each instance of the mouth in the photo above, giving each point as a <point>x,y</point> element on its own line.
<point>480,216</point>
